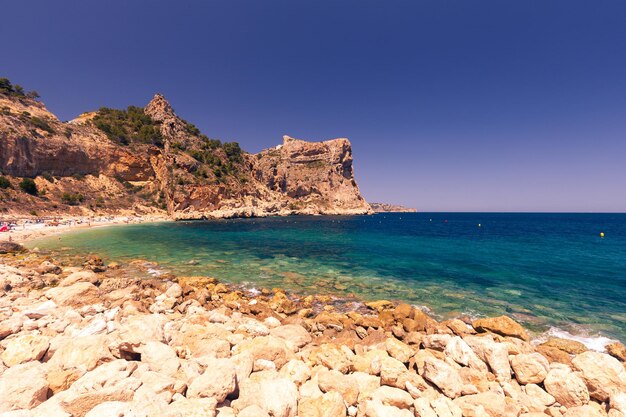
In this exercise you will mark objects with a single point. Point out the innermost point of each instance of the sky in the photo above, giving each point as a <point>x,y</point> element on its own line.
<point>449,105</point>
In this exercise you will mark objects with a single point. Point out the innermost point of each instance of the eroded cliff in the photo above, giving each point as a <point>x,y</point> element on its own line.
<point>150,160</point>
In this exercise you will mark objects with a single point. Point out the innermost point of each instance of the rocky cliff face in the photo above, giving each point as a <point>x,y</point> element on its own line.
<point>152,160</point>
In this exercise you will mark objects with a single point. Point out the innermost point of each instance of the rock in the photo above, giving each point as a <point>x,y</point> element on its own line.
<point>444,407</point>
<point>554,355</point>
<point>436,341</point>
<point>79,276</point>
<point>502,325</point>
<point>296,371</point>
<point>10,326</point>
<point>332,380</point>
<point>23,386</point>
<point>530,368</point>
<point>137,330</point>
<point>423,408</point>
<point>398,350</point>
<point>369,362</point>
<point>402,311</point>
<point>217,381</point>
<point>80,353</point>
<point>617,350</point>
<point>460,352</point>
<point>380,305</point>
<point>295,335</point>
<point>11,247</point>
<point>112,409</point>
<point>277,396</point>
<point>160,357</point>
<point>47,267</point>
<point>393,396</point>
<point>270,348</point>
<point>75,295</point>
<point>537,398</point>
<point>183,407</point>
<point>328,405</point>
<point>566,387</point>
<point>602,373</point>
<point>109,382</point>
<point>331,356</point>
<point>24,348</point>
<point>496,355</point>
<point>458,327</point>
<point>493,404</point>
<point>445,377</point>
<point>375,408</point>
<point>256,411</point>
<point>583,411</point>
<point>618,402</point>
<point>572,347</point>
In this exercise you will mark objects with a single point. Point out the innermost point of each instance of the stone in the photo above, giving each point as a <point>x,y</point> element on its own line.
<point>183,407</point>
<point>112,409</point>
<point>530,368</point>
<point>296,371</point>
<point>331,356</point>
<point>295,335</point>
<point>393,396</point>
<point>328,405</point>
<point>502,325</point>
<point>398,350</point>
<point>380,305</point>
<point>460,352</point>
<point>160,357</point>
<point>332,380</point>
<point>602,373</point>
<point>270,348</point>
<point>79,276</point>
<point>108,382</point>
<point>566,387</point>
<point>537,398</point>
<point>23,386</point>
<point>436,341</point>
<point>369,362</point>
<point>276,395</point>
<point>493,404</point>
<point>11,247</point>
<point>583,411</point>
<point>217,381</point>
<point>444,407</point>
<point>496,355</point>
<point>80,353</point>
<point>256,411</point>
<point>24,348</point>
<point>554,355</point>
<point>618,402</point>
<point>375,408</point>
<point>423,409</point>
<point>445,377</point>
<point>75,295</point>
<point>572,347</point>
<point>617,350</point>
<point>47,267</point>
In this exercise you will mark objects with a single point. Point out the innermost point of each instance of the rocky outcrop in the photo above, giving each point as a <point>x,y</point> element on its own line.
<point>167,164</point>
<point>193,346</point>
<point>391,208</point>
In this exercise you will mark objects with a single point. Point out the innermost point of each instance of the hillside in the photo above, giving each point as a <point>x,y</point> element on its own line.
<point>149,160</point>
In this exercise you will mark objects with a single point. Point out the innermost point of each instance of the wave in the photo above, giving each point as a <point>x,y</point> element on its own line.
<point>592,342</point>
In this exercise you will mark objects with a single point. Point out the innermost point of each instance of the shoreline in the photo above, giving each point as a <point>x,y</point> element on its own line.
<point>591,339</point>
<point>161,343</point>
<point>29,230</point>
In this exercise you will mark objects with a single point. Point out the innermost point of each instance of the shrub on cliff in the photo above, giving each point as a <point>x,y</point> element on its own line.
<point>28,186</point>
<point>40,123</point>
<point>5,183</point>
<point>128,126</point>
<point>15,90</point>
<point>72,199</point>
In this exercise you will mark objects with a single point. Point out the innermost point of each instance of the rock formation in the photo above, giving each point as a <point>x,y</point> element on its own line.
<point>143,160</point>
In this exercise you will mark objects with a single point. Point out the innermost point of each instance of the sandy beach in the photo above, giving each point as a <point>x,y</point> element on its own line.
<point>29,229</point>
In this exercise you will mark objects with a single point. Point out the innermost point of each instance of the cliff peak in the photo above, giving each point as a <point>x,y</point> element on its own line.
<point>159,108</point>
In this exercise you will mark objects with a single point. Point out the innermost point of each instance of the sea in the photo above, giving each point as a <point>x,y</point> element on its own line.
<point>558,274</point>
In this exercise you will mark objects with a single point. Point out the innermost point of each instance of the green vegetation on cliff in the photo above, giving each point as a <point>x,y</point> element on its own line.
<point>128,126</point>
<point>15,90</point>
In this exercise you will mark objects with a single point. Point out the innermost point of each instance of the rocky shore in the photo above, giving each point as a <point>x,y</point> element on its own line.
<point>79,337</point>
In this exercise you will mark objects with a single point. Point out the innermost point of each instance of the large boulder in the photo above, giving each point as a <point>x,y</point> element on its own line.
<point>217,381</point>
<point>444,376</point>
<point>24,348</point>
<point>493,404</point>
<point>502,325</point>
<point>295,335</point>
<point>530,368</point>
<point>603,374</point>
<point>23,386</point>
<point>276,395</point>
<point>328,405</point>
<point>269,348</point>
<point>75,295</point>
<point>11,247</point>
<point>566,387</point>
<point>496,355</point>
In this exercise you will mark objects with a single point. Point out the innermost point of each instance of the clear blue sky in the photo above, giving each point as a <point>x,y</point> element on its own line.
<point>450,105</point>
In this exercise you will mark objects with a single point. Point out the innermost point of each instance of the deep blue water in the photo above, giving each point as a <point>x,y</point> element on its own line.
<point>546,270</point>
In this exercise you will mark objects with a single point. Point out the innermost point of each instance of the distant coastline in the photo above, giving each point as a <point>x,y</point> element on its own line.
<point>391,208</point>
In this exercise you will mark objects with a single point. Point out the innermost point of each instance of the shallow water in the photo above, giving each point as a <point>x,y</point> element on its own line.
<point>546,270</point>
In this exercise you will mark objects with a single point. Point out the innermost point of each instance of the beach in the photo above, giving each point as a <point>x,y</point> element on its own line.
<point>85,337</point>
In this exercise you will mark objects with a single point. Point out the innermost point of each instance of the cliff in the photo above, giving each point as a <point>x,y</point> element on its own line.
<point>144,160</point>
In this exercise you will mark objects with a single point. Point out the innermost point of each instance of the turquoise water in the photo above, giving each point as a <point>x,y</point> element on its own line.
<point>546,270</point>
